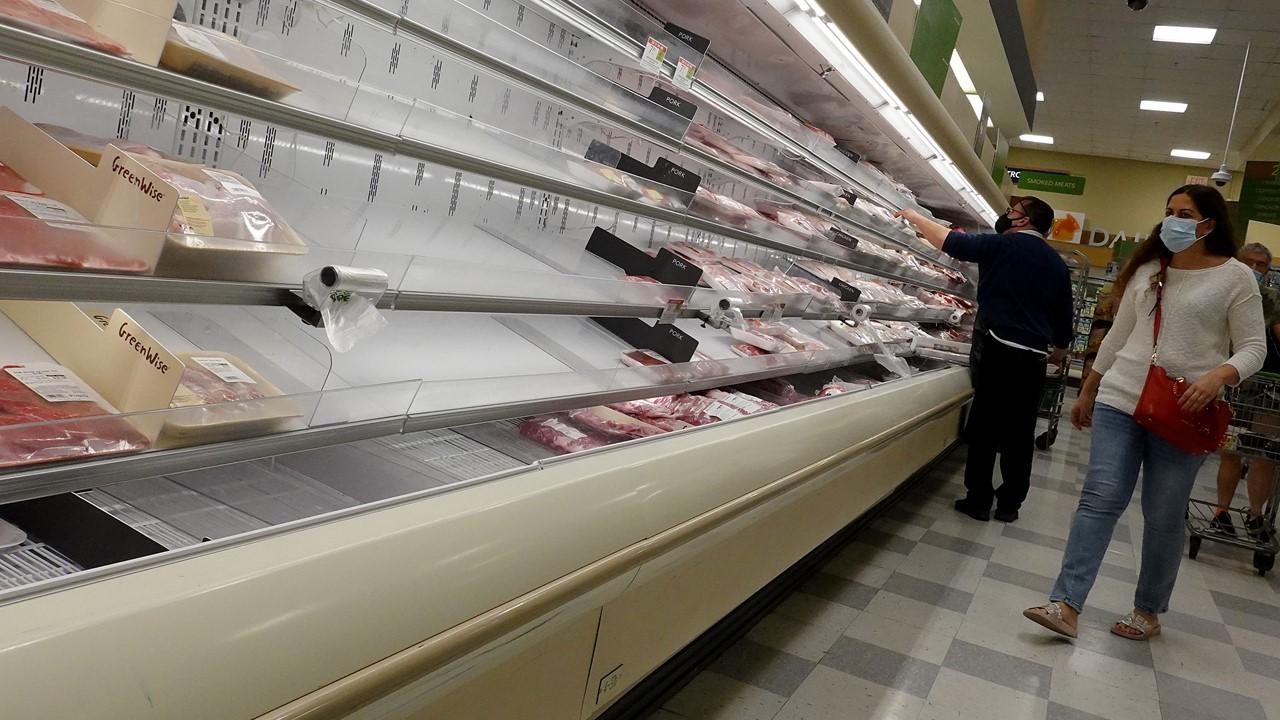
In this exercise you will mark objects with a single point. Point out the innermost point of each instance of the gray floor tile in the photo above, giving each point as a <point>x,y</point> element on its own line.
<point>1260,664</point>
<point>840,590</point>
<point>1095,635</point>
<point>955,544</point>
<point>1058,711</point>
<point>1249,621</point>
<point>1116,572</point>
<point>881,666</point>
<point>1123,534</point>
<point>1253,607</point>
<point>999,668</point>
<point>911,517</point>
<point>926,591</point>
<point>1210,629</point>
<point>1197,700</point>
<point>1021,578</point>
<point>763,667</point>
<point>1032,536</point>
<point>887,541</point>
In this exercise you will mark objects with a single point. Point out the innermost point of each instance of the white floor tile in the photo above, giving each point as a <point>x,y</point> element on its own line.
<point>1019,639</point>
<point>944,567</point>
<point>813,610</point>
<point>1101,699</point>
<point>1135,680</point>
<point>810,642</point>
<point>715,697</point>
<point>832,695</point>
<point>1199,659</point>
<point>930,646</point>
<point>895,607</point>
<point>957,696</point>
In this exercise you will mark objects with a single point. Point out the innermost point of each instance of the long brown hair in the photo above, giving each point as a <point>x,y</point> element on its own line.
<point>1221,241</point>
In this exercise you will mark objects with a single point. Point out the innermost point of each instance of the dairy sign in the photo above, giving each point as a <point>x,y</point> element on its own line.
<point>1098,237</point>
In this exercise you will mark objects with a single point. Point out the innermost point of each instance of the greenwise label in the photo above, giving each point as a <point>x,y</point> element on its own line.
<point>937,28</point>
<point>1029,181</point>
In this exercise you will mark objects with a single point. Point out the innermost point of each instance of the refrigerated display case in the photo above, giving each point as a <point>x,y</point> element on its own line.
<point>582,379</point>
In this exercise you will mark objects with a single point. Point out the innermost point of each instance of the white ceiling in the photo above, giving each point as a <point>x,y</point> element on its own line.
<point>1099,62</point>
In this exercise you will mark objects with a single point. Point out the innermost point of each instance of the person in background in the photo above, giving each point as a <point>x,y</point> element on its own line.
<point>1261,471</point>
<point>1025,314</point>
<point>1211,333</point>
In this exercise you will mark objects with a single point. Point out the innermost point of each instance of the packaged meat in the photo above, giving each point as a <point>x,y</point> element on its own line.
<point>219,205</point>
<point>91,147</point>
<point>37,231</point>
<point>693,252</point>
<point>723,209</point>
<point>794,221</point>
<point>787,334</point>
<point>642,358</point>
<point>821,293</point>
<point>855,335</point>
<point>11,181</point>
<point>748,404</point>
<point>697,409</point>
<point>47,414</point>
<point>207,54</point>
<point>745,350</point>
<point>611,423</point>
<point>644,279</point>
<point>776,390</point>
<point>722,278</point>
<point>557,433</point>
<point>227,397</point>
<point>764,342</point>
<point>51,19</point>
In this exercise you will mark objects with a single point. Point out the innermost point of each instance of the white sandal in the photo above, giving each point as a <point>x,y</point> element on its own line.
<point>1143,628</point>
<point>1050,617</point>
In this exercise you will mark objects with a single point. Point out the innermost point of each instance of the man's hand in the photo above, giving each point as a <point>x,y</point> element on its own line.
<point>1057,356</point>
<point>933,232</point>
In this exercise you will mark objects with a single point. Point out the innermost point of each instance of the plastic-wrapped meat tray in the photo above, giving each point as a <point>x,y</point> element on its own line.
<point>49,18</point>
<point>613,424</point>
<point>557,433</point>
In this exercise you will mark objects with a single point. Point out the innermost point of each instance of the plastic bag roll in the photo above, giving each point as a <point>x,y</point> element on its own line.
<point>861,313</point>
<point>366,281</point>
<point>956,317</point>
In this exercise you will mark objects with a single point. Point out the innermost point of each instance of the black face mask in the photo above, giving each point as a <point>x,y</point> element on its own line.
<point>1003,223</point>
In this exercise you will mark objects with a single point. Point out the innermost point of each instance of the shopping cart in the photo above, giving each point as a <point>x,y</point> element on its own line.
<point>1051,402</point>
<point>1254,434</point>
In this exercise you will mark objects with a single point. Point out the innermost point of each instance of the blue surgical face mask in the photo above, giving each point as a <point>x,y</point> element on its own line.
<point>1178,233</point>
<point>1258,276</point>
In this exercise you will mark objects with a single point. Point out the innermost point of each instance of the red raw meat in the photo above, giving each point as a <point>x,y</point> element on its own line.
<point>236,210</point>
<point>775,390</point>
<point>611,423</point>
<point>746,350</point>
<point>723,209</point>
<point>696,409</point>
<point>28,241</point>
<point>11,181</point>
<point>556,433</point>
<point>49,18</point>
<point>651,413</point>
<point>88,428</point>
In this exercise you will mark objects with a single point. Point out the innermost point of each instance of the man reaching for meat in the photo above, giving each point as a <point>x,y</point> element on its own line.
<point>1025,315</point>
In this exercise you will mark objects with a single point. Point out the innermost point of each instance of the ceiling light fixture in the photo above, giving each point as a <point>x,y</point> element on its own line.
<point>1162,106</point>
<point>1190,154</point>
<point>1040,97</point>
<point>976,102</point>
<point>1184,34</point>
<point>962,74</point>
<point>1041,139</point>
<point>826,37</point>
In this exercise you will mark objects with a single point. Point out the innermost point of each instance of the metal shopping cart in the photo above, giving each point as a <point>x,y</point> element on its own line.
<point>1254,434</point>
<point>1055,381</point>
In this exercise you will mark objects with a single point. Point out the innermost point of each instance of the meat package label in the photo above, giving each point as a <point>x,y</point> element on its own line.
<point>47,209</point>
<point>225,370</point>
<point>232,184</point>
<point>54,384</point>
<point>195,215</point>
<point>720,411</point>
<point>741,403</point>
<point>197,40</point>
<point>571,432</point>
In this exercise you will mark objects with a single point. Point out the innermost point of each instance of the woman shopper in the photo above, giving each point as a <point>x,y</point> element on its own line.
<point>1211,308</point>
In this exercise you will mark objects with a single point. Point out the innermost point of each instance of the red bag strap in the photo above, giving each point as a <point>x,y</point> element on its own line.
<point>1155,341</point>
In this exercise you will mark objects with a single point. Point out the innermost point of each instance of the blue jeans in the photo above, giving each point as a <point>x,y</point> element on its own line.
<point>1120,447</point>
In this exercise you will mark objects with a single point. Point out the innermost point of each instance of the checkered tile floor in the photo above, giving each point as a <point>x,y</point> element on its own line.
<point>921,618</point>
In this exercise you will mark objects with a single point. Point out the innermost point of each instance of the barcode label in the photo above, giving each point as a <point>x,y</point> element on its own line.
<point>720,411</point>
<point>54,384</point>
<point>225,370</point>
<point>744,404</point>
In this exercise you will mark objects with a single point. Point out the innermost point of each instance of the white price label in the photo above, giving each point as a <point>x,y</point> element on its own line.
<point>46,209</point>
<point>571,432</point>
<point>720,411</point>
<point>685,71</point>
<point>232,184</point>
<point>198,40</point>
<point>742,403</point>
<point>655,53</point>
<point>225,370</point>
<point>54,384</point>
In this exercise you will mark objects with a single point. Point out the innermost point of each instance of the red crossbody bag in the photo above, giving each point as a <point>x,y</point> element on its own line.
<point>1199,433</point>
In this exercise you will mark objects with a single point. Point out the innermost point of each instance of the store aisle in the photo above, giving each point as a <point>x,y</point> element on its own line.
<point>921,618</point>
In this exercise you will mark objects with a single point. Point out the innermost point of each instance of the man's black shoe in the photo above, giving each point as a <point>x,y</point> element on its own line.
<point>973,510</point>
<point>1005,516</point>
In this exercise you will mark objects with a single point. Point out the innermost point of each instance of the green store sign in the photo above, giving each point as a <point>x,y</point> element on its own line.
<point>1030,181</point>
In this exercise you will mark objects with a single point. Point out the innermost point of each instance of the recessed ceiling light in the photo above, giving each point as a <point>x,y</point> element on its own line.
<point>1162,106</point>
<point>976,102</point>
<point>962,74</point>
<point>1042,139</point>
<point>1183,34</point>
<point>1191,154</point>
<point>1040,97</point>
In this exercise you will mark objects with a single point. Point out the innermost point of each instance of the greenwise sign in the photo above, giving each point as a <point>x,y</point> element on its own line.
<point>937,29</point>
<point>1030,181</point>
<point>1260,193</point>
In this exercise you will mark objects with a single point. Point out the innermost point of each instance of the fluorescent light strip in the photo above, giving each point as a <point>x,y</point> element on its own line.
<point>976,102</point>
<point>1163,106</point>
<point>1040,97</point>
<point>1184,34</point>
<point>1191,154</point>
<point>962,74</point>
<point>827,38</point>
<point>1041,139</point>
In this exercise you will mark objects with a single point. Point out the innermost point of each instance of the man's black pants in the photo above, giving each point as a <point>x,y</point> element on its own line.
<point>1007,386</point>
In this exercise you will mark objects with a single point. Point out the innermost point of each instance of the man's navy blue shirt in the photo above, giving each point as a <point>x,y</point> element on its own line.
<point>1024,287</point>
